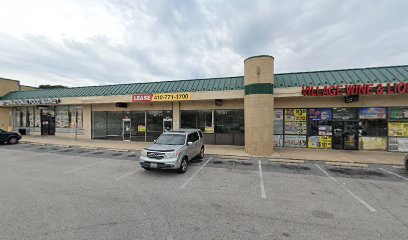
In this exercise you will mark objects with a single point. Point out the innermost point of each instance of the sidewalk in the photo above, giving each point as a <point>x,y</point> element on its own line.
<point>327,155</point>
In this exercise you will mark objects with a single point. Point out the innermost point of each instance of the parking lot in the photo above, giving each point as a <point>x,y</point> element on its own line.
<point>57,192</point>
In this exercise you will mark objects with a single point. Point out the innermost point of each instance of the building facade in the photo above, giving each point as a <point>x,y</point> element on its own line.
<point>351,109</point>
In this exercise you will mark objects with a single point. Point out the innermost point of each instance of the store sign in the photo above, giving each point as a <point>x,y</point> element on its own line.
<point>142,98</point>
<point>162,97</point>
<point>22,102</point>
<point>356,89</point>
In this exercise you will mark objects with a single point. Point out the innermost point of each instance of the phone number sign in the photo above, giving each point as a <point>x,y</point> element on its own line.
<point>162,97</point>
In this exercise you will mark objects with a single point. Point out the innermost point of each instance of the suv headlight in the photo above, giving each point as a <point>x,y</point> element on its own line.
<point>171,154</point>
<point>144,153</point>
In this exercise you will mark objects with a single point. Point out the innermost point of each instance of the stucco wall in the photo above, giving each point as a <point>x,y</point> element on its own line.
<point>7,86</point>
<point>5,123</point>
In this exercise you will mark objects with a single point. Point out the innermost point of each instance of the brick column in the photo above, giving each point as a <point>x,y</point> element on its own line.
<point>259,105</point>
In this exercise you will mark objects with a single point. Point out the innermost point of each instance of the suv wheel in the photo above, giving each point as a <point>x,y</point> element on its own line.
<point>202,153</point>
<point>12,140</point>
<point>183,165</point>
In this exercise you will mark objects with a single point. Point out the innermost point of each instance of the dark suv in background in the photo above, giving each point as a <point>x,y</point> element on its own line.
<point>9,137</point>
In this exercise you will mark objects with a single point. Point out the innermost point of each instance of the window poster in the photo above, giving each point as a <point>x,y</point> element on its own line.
<point>373,143</point>
<point>373,113</point>
<point>62,119</point>
<point>398,129</point>
<point>398,113</point>
<point>316,114</point>
<point>298,128</point>
<point>278,140</point>
<point>297,114</point>
<point>278,115</point>
<point>320,142</point>
<point>398,144</point>
<point>325,130</point>
<point>278,121</point>
<point>295,141</point>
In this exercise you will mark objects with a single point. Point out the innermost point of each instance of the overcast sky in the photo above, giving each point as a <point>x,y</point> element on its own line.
<point>77,42</point>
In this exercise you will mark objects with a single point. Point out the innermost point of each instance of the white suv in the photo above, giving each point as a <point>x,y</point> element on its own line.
<point>173,150</point>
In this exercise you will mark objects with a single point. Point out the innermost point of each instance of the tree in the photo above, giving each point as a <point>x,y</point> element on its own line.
<point>47,86</point>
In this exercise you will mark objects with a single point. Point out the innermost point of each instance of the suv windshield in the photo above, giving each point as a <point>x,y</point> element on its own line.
<point>171,139</point>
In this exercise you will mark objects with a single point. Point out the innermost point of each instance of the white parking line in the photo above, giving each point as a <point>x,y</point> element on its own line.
<point>263,195</point>
<point>89,165</point>
<point>192,176</point>
<point>393,174</point>
<point>127,174</point>
<point>346,189</point>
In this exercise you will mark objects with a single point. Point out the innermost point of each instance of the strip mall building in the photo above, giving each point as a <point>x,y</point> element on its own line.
<point>351,109</point>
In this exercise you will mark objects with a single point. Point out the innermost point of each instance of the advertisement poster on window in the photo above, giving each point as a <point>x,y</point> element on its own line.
<point>317,114</point>
<point>398,129</point>
<point>278,140</point>
<point>398,144</point>
<point>325,130</point>
<point>62,119</point>
<point>298,128</point>
<point>295,141</point>
<point>209,129</point>
<point>373,143</point>
<point>398,113</point>
<point>320,142</point>
<point>373,113</point>
<point>278,115</point>
<point>297,114</point>
<point>141,128</point>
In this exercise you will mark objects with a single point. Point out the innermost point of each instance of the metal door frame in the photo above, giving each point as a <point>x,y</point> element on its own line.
<point>128,121</point>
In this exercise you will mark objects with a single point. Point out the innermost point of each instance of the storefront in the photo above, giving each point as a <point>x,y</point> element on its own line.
<point>357,109</point>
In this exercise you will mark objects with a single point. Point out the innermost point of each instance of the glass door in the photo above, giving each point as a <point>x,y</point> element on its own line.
<point>167,124</point>
<point>337,135</point>
<point>126,129</point>
<point>350,135</point>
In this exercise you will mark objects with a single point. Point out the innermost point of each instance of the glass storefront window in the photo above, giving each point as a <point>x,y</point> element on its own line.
<point>373,128</point>
<point>154,121</point>
<point>62,117</point>
<point>138,125</point>
<point>188,119</point>
<point>114,125</point>
<point>31,117</point>
<point>99,125</point>
<point>37,118</point>
<point>204,119</point>
<point>345,113</point>
<point>398,114</point>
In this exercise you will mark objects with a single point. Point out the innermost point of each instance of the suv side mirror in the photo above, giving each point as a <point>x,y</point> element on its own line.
<point>154,141</point>
<point>189,143</point>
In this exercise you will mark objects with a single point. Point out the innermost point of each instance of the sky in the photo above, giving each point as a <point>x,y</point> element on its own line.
<point>80,43</point>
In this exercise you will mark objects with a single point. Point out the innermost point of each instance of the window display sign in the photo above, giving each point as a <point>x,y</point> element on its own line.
<point>62,119</point>
<point>209,129</point>
<point>373,113</point>
<point>345,113</point>
<point>398,129</point>
<point>320,142</point>
<point>398,144</point>
<point>278,115</point>
<point>278,121</point>
<point>141,128</point>
<point>295,141</point>
<point>325,130</point>
<point>297,114</point>
<point>278,140</point>
<point>398,113</point>
<point>298,128</point>
<point>373,143</point>
<point>316,114</point>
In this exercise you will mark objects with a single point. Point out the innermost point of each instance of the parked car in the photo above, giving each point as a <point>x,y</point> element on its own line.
<point>406,162</point>
<point>9,137</point>
<point>173,150</point>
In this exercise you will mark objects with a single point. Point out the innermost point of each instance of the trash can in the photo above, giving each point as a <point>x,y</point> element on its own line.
<point>22,131</point>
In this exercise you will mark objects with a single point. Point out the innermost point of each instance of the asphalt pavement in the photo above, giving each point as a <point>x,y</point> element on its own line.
<point>56,192</point>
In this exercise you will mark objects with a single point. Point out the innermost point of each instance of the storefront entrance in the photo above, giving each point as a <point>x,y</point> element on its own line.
<point>47,124</point>
<point>345,135</point>
<point>126,130</point>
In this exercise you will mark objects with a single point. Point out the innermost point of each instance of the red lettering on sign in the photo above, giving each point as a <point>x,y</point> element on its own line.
<point>370,88</point>
<point>350,89</point>
<point>389,90</point>
<point>339,87</point>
